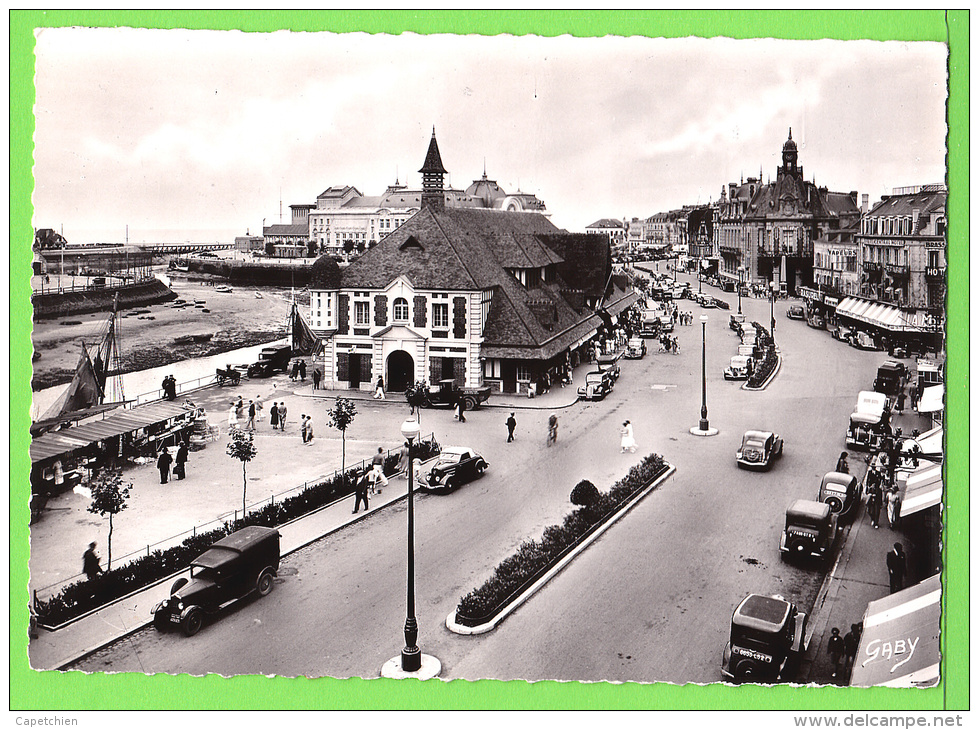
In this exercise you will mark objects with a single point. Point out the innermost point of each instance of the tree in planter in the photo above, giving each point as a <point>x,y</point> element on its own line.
<point>242,448</point>
<point>109,498</point>
<point>341,416</point>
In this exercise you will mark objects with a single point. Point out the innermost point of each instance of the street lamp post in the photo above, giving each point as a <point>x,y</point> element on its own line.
<point>740,283</point>
<point>412,663</point>
<point>773,313</point>
<point>704,424</point>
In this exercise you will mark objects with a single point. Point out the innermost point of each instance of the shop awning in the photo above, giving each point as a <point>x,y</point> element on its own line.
<point>923,489</point>
<point>881,315</point>
<point>899,645</point>
<point>932,399</point>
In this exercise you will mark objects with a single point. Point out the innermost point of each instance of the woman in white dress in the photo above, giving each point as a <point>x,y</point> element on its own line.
<point>233,418</point>
<point>628,441</point>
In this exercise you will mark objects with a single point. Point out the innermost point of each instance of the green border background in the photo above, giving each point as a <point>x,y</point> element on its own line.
<point>30,690</point>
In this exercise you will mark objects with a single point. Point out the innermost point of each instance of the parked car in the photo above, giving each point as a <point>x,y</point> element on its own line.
<point>455,466</point>
<point>597,385</point>
<point>810,530</point>
<point>817,322</point>
<point>708,302</point>
<point>768,637</point>
<point>636,348</point>
<point>796,311</point>
<point>245,561</point>
<point>736,323</point>
<point>890,375</point>
<point>666,323</point>
<point>841,492</point>
<point>863,341</point>
<point>866,427</point>
<point>609,364</point>
<point>448,393</point>
<point>843,334</point>
<point>721,304</point>
<point>271,360</point>
<point>739,369</point>
<point>759,449</point>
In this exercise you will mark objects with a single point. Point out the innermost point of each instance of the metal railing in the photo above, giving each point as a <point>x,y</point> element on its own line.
<point>230,516</point>
<point>185,387</point>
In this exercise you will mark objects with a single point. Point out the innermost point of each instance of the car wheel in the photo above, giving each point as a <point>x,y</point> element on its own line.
<point>781,447</point>
<point>265,582</point>
<point>161,621</point>
<point>746,671</point>
<point>480,468</point>
<point>193,621</point>
<point>471,404</point>
<point>835,504</point>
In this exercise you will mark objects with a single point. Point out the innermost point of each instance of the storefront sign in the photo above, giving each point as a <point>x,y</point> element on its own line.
<point>897,652</point>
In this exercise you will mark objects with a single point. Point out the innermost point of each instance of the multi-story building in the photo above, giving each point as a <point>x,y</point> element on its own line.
<point>472,294</point>
<point>835,266</point>
<point>766,232</point>
<point>611,228</point>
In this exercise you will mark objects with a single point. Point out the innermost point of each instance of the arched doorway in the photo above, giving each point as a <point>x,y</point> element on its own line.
<point>401,371</point>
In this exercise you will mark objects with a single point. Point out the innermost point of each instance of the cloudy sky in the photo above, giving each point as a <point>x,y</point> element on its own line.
<point>198,135</point>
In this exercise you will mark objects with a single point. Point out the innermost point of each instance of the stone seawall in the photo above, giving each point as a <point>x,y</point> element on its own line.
<point>253,273</point>
<point>60,304</point>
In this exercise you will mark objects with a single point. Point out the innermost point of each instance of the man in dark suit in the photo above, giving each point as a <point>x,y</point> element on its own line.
<point>897,567</point>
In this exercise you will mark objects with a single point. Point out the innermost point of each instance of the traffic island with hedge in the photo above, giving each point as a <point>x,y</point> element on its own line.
<point>767,363</point>
<point>535,558</point>
<point>77,599</point>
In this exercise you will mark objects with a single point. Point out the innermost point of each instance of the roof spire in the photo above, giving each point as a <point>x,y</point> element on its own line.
<point>790,132</point>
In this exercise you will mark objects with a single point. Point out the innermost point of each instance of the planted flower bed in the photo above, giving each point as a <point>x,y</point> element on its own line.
<point>769,360</point>
<point>535,557</point>
<point>79,598</point>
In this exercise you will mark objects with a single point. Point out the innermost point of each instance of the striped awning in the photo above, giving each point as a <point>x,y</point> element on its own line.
<point>881,315</point>
<point>899,644</point>
<point>923,489</point>
<point>932,399</point>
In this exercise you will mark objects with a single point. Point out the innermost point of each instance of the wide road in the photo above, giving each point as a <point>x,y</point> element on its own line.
<point>649,601</point>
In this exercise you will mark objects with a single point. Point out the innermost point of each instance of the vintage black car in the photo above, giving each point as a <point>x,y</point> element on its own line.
<point>890,377</point>
<point>840,491</point>
<point>598,384</point>
<point>796,311</point>
<point>759,449</point>
<point>449,392</point>
<point>768,637</point>
<point>609,364</point>
<point>736,323</point>
<point>810,530</point>
<point>234,566</point>
<point>270,361</point>
<point>635,349</point>
<point>455,466</point>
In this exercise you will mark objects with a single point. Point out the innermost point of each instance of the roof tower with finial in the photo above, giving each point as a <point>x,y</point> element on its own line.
<point>433,177</point>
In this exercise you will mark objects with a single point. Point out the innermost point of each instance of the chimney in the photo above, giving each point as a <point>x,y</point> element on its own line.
<point>864,203</point>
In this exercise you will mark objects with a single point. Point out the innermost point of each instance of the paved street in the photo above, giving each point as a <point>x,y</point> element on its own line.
<point>650,601</point>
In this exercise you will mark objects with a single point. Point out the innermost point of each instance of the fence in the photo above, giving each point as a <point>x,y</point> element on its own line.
<point>231,516</point>
<point>185,387</point>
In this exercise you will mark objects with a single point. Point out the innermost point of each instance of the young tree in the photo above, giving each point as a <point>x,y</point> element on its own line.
<point>109,498</point>
<point>242,448</point>
<point>311,248</point>
<point>415,395</point>
<point>341,416</point>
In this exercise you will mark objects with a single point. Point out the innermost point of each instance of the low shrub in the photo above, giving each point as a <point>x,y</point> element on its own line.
<point>533,558</point>
<point>83,596</point>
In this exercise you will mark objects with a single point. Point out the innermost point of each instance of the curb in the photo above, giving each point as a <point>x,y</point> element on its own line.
<point>484,405</point>
<point>456,628</point>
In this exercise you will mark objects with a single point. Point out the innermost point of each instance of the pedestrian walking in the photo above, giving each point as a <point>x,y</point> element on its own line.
<point>842,465</point>
<point>511,424</point>
<point>892,506</point>
<point>309,429</point>
<point>303,428</point>
<point>551,429</point>
<point>461,410</point>
<point>250,423</point>
<point>628,440</point>
<point>377,471</point>
<point>899,407</point>
<point>416,466</point>
<point>834,647</point>
<point>379,389</point>
<point>240,409</point>
<point>274,416</point>
<point>232,418</point>
<point>180,463</point>
<point>317,376</point>
<point>90,562</point>
<point>361,491</point>
<point>163,463</point>
<point>302,370</point>
<point>897,567</point>
<point>873,505</point>
<point>258,410</point>
<point>283,411</point>
<point>850,643</point>
<point>295,370</point>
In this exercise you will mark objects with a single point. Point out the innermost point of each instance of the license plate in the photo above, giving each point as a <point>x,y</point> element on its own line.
<point>174,618</point>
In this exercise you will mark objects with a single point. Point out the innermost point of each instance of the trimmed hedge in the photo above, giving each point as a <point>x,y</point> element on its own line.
<point>535,557</point>
<point>83,596</point>
<point>769,360</point>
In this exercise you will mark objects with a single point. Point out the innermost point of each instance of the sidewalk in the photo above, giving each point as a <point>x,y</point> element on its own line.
<point>55,649</point>
<point>858,577</point>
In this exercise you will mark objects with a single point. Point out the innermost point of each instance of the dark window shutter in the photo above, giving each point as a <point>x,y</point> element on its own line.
<point>343,366</point>
<point>421,311</point>
<point>380,310</point>
<point>459,371</point>
<point>459,318</point>
<point>365,368</point>
<point>343,315</point>
<point>434,370</point>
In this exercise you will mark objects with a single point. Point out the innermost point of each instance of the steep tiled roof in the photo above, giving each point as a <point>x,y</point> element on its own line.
<point>606,223</point>
<point>905,205</point>
<point>287,229</point>
<point>587,260</point>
